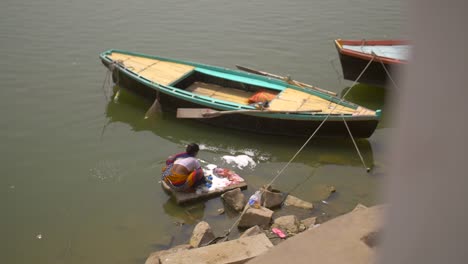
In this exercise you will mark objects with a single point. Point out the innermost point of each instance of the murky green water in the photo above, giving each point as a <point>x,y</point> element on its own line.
<point>82,171</point>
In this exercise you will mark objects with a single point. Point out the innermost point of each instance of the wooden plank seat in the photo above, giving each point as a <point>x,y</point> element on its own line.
<point>291,99</point>
<point>220,92</point>
<point>161,72</point>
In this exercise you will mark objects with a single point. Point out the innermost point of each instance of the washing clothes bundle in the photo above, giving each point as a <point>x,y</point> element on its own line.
<point>229,174</point>
<point>218,178</point>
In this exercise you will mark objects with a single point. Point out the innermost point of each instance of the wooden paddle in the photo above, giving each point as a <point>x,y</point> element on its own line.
<point>209,113</point>
<point>300,84</point>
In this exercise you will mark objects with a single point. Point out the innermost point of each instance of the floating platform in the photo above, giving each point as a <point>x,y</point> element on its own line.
<point>184,197</point>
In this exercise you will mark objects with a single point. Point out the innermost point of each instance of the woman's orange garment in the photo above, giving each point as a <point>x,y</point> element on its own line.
<point>181,181</point>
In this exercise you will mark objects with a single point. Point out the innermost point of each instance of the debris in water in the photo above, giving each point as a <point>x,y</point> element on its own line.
<point>39,236</point>
<point>278,232</point>
<point>325,202</point>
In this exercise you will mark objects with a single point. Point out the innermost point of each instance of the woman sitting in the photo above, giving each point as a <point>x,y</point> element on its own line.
<point>183,171</point>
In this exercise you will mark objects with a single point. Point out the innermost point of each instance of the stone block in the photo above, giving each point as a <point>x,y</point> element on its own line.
<point>235,251</point>
<point>272,198</point>
<point>294,201</point>
<point>359,207</point>
<point>154,257</point>
<point>309,222</point>
<point>253,216</point>
<point>288,223</point>
<point>234,199</point>
<point>201,234</point>
<point>254,230</point>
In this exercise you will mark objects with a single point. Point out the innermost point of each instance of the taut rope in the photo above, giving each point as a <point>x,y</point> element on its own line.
<point>386,71</point>
<point>316,130</point>
<point>262,190</point>
<point>355,145</point>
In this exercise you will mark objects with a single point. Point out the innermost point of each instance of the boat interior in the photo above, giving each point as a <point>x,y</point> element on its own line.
<point>219,88</point>
<point>399,52</point>
<point>223,88</point>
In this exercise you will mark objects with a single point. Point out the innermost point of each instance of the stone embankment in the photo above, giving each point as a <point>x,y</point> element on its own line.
<point>353,235</point>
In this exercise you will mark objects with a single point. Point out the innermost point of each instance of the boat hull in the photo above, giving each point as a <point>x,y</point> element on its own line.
<point>361,127</point>
<point>353,63</point>
<point>375,74</point>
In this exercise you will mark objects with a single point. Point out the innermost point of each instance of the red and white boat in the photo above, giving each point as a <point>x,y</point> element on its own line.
<point>385,55</point>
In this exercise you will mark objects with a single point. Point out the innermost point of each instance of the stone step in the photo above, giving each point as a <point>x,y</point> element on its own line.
<point>235,251</point>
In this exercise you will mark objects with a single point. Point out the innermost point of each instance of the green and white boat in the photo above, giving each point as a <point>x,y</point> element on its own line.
<point>287,107</point>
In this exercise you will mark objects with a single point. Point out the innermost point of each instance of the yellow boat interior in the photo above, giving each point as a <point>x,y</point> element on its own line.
<point>184,77</point>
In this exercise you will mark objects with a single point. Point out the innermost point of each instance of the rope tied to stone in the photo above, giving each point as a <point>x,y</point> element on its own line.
<point>266,187</point>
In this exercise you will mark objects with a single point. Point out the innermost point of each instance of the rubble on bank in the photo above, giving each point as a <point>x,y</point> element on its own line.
<point>234,199</point>
<point>259,225</point>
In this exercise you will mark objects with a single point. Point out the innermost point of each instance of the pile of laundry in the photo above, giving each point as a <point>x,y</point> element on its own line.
<point>218,178</point>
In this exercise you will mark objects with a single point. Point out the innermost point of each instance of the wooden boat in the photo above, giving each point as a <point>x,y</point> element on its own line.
<point>128,108</point>
<point>356,54</point>
<point>182,84</point>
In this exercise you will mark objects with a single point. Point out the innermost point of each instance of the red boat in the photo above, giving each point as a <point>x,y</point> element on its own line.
<point>385,55</point>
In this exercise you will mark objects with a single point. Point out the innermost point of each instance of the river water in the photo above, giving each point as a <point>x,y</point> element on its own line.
<point>79,181</point>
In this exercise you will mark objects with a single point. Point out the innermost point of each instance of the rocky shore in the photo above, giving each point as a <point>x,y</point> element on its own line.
<point>262,232</point>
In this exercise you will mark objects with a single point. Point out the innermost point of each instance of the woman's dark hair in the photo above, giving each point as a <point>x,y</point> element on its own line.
<point>192,149</point>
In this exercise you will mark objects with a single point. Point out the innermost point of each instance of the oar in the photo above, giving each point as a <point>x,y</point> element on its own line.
<point>209,113</point>
<point>300,84</point>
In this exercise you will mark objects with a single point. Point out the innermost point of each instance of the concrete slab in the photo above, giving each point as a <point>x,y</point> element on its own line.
<point>182,197</point>
<point>235,251</point>
<point>340,240</point>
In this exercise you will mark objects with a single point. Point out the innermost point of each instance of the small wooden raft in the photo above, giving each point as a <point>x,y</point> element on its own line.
<point>183,197</point>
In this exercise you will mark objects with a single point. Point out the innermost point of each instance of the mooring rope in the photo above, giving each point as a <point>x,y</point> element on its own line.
<point>359,77</point>
<point>316,130</point>
<point>355,145</point>
<point>387,72</point>
<point>262,190</point>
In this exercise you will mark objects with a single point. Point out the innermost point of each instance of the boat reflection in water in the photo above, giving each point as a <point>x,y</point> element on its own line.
<point>130,109</point>
<point>372,97</point>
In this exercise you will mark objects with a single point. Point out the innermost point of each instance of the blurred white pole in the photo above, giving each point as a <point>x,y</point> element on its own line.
<point>427,188</point>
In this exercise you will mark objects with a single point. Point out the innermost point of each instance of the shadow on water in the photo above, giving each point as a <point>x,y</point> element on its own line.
<point>130,109</point>
<point>372,97</point>
<point>191,214</point>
